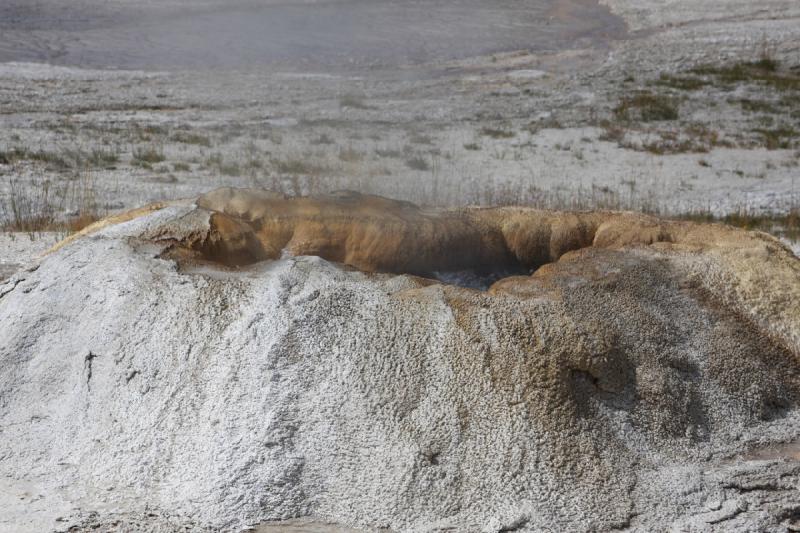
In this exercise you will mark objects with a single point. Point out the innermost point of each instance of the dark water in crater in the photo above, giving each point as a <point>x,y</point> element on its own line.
<point>184,34</point>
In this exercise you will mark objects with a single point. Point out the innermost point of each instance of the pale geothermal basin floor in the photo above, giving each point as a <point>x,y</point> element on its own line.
<point>533,124</point>
<point>19,249</point>
<point>328,33</point>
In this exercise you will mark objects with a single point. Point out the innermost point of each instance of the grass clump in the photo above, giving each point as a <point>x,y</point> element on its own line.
<point>254,164</point>
<point>148,155</point>
<point>785,225</point>
<point>681,83</point>
<point>612,132</point>
<point>418,163</point>
<point>192,138</point>
<point>31,209</point>
<point>388,153</point>
<point>323,139</point>
<point>350,155</point>
<point>63,160</point>
<point>214,161</point>
<point>781,138</point>
<point>353,101</point>
<point>16,154</point>
<point>230,169</point>
<point>647,107</point>
<point>496,133</point>
<point>765,71</point>
<point>103,158</point>
<point>295,166</point>
<point>758,106</point>
<point>43,205</point>
<point>419,138</point>
<point>227,168</point>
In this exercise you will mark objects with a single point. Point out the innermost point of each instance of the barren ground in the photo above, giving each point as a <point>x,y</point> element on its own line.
<point>545,123</point>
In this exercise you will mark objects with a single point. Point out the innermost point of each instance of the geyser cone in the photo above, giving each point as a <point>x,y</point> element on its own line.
<point>249,357</point>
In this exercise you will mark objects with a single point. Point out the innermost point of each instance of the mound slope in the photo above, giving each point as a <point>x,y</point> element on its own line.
<point>246,357</point>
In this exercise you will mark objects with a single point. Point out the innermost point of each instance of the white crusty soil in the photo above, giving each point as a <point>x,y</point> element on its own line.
<point>19,249</point>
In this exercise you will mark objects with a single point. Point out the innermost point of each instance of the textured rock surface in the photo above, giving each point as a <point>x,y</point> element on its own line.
<point>647,377</point>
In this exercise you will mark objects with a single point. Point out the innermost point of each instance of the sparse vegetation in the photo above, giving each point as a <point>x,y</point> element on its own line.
<point>418,163</point>
<point>353,101</point>
<point>103,158</point>
<point>230,169</point>
<point>43,205</point>
<point>758,106</point>
<point>419,138</point>
<point>785,225</point>
<point>765,71</point>
<point>781,138</point>
<point>496,133</point>
<point>296,166</point>
<point>647,107</point>
<point>191,138</point>
<point>750,105</point>
<point>394,154</point>
<point>350,155</point>
<point>147,155</point>
<point>681,83</point>
<point>254,164</point>
<point>612,132</point>
<point>63,160</point>
<point>323,139</point>
<point>214,160</point>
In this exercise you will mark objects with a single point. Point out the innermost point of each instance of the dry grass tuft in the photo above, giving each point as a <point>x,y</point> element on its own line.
<point>647,107</point>
<point>781,225</point>
<point>45,206</point>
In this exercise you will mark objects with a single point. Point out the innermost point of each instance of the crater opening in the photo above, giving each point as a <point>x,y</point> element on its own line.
<point>479,280</point>
<point>468,247</point>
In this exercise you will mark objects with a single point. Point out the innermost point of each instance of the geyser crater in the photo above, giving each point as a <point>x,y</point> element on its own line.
<point>470,248</point>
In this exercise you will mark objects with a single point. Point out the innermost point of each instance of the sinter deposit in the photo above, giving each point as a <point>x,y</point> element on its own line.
<point>246,357</point>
